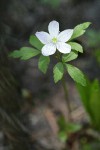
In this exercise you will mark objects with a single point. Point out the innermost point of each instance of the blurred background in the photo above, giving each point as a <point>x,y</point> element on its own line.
<point>30,102</point>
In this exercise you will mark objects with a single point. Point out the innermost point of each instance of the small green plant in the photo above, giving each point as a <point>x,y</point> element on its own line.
<point>90,96</point>
<point>61,46</point>
<point>86,147</point>
<point>66,129</point>
<point>45,44</point>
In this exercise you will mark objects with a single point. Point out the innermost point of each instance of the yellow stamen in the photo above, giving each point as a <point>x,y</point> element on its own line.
<point>54,40</point>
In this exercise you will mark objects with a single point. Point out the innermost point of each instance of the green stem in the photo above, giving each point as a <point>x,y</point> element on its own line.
<point>58,57</point>
<point>66,98</point>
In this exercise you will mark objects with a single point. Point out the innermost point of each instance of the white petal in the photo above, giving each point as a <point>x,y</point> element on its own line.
<point>44,37</point>
<point>49,49</point>
<point>65,35</point>
<point>63,47</point>
<point>53,28</point>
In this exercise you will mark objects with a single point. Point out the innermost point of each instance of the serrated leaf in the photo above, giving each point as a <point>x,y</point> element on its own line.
<point>76,46</point>
<point>43,63</point>
<point>68,57</point>
<point>34,41</point>
<point>58,72</point>
<point>76,74</point>
<point>25,53</point>
<point>80,29</point>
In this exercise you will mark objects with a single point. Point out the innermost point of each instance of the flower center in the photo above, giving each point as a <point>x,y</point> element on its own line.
<point>54,40</point>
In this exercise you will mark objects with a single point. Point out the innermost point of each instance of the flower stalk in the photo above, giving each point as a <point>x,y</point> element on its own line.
<point>64,85</point>
<point>66,98</point>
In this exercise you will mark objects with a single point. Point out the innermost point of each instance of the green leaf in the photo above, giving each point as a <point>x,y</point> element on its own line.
<point>85,95</point>
<point>93,38</point>
<point>97,55</point>
<point>95,103</point>
<point>27,52</point>
<point>24,53</point>
<point>62,124</point>
<point>34,41</point>
<point>43,63</point>
<point>76,46</point>
<point>15,54</point>
<point>90,96</point>
<point>80,29</point>
<point>54,3</point>
<point>63,136</point>
<point>72,127</point>
<point>58,72</point>
<point>86,146</point>
<point>76,74</point>
<point>68,57</point>
<point>68,127</point>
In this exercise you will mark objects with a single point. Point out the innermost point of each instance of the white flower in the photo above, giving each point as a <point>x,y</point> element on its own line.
<point>55,39</point>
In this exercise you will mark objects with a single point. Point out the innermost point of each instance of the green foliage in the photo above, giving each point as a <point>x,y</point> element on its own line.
<point>62,136</point>
<point>80,30</point>
<point>27,52</point>
<point>85,94</point>
<point>90,145</point>
<point>97,55</point>
<point>15,54</point>
<point>43,63</point>
<point>86,147</point>
<point>58,72</point>
<point>76,74</point>
<point>67,128</point>
<point>68,57</point>
<point>76,46</point>
<point>95,103</point>
<point>34,41</point>
<point>24,53</point>
<point>93,41</point>
<point>90,96</point>
<point>93,38</point>
<point>54,3</point>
